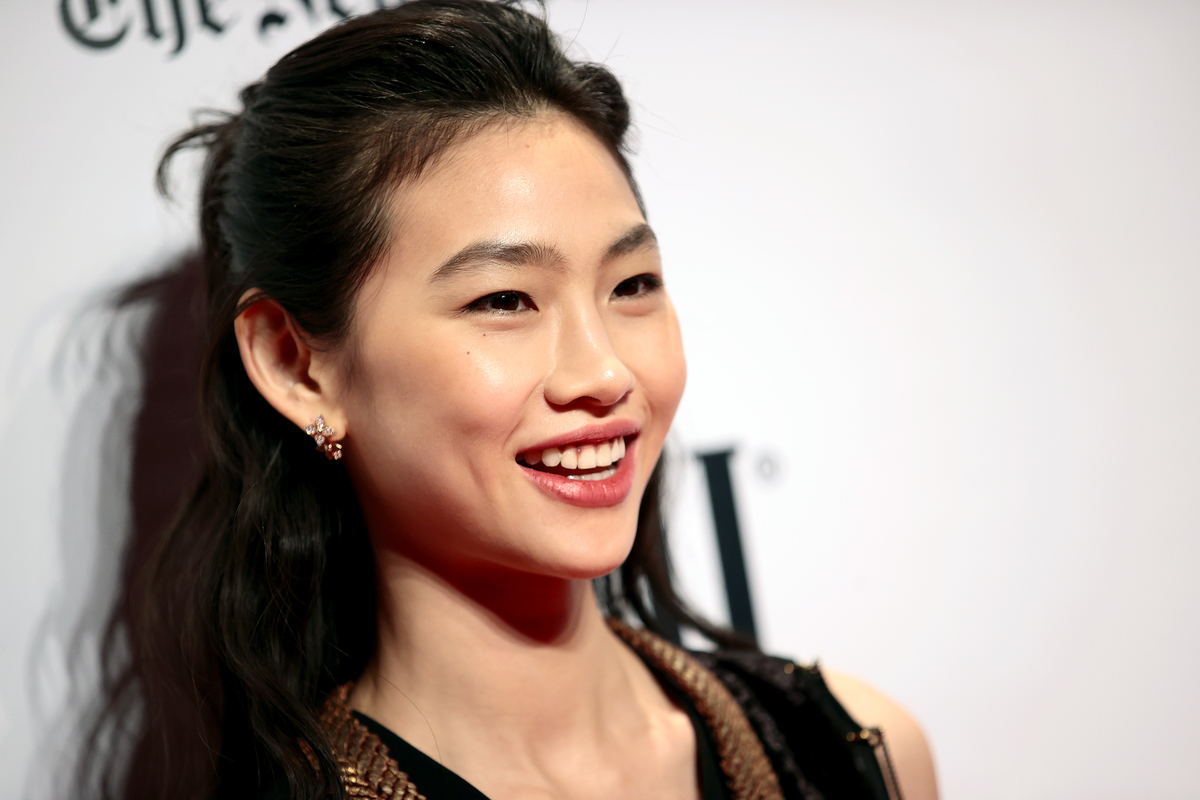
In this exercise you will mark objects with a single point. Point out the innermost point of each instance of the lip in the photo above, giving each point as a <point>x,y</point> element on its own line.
<point>589,434</point>
<point>588,494</point>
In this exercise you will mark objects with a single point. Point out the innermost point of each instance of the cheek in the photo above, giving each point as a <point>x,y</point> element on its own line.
<point>655,354</point>
<point>431,416</point>
<point>434,388</point>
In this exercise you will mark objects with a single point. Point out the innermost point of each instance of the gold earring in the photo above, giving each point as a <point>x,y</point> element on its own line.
<point>322,434</point>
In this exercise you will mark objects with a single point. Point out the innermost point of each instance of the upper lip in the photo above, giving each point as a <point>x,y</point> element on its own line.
<point>590,434</point>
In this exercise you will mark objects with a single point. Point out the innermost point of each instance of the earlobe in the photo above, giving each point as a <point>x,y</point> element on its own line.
<point>279,362</point>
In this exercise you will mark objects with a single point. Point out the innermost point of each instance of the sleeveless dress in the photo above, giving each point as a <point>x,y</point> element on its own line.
<point>766,729</point>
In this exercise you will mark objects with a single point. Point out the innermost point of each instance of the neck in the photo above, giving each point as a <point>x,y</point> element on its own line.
<point>519,659</point>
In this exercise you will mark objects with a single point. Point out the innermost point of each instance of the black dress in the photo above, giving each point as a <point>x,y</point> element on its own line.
<point>765,728</point>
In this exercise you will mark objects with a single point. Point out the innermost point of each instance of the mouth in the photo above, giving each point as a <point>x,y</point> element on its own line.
<point>593,461</point>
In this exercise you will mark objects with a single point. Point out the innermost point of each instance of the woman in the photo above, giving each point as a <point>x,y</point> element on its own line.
<point>440,370</point>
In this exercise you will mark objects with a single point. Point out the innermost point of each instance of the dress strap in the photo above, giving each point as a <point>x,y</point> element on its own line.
<point>367,771</point>
<point>739,750</point>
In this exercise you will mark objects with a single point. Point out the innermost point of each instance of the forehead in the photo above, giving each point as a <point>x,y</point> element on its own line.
<point>546,178</point>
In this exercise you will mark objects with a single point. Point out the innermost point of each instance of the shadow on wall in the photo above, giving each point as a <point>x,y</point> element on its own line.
<point>144,356</point>
<point>166,439</point>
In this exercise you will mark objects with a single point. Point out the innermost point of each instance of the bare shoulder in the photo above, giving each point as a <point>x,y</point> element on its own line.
<point>905,740</point>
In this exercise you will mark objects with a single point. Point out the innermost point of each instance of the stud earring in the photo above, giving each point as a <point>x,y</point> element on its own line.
<point>322,434</point>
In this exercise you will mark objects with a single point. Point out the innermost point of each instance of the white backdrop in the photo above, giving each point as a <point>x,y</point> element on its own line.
<point>938,266</point>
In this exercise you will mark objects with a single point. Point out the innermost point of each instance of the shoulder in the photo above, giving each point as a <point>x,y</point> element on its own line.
<point>811,720</point>
<point>907,747</point>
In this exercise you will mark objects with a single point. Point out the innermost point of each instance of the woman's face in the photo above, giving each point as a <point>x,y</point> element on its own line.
<point>515,361</point>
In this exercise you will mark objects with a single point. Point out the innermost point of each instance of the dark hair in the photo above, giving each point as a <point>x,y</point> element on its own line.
<point>257,600</point>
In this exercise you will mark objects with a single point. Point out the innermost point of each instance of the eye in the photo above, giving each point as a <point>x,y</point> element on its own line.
<point>637,286</point>
<point>506,302</point>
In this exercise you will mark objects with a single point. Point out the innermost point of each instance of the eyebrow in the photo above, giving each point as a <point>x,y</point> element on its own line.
<point>481,254</point>
<point>635,238</point>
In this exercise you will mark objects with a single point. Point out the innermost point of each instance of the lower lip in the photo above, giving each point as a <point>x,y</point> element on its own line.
<point>589,494</point>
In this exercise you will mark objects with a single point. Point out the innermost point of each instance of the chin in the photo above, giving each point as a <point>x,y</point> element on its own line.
<point>593,559</point>
<point>590,573</point>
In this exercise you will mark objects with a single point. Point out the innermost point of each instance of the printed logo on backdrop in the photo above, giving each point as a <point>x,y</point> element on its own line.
<point>170,24</point>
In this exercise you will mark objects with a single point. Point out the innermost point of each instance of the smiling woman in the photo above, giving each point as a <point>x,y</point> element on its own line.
<point>427,255</point>
<point>523,313</point>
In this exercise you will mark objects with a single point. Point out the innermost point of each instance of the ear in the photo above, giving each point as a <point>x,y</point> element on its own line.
<point>297,381</point>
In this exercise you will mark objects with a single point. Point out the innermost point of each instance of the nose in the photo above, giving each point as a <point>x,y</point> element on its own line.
<point>587,371</point>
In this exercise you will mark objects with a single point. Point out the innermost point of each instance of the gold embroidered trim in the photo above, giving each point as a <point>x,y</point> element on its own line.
<point>741,754</point>
<point>366,768</point>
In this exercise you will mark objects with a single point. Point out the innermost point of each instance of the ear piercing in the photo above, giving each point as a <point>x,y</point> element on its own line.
<point>322,434</point>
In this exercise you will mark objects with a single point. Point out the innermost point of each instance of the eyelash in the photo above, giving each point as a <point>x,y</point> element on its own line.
<point>483,304</point>
<point>641,285</point>
<point>636,286</point>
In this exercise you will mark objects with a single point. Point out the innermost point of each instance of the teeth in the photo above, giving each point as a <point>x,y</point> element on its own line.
<point>595,476</point>
<point>570,458</point>
<point>580,456</point>
<point>587,457</point>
